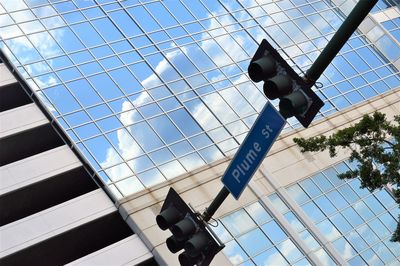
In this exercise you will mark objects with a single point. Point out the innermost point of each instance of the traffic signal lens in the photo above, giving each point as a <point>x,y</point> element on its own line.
<point>183,228</point>
<point>262,68</point>
<point>174,245</point>
<point>278,86</point>
<point>168,217</point>
<point>194,246</point>
<point>186,260</point>
<point>293,104</point>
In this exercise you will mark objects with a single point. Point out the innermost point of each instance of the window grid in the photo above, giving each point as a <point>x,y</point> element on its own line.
<point>393,27</point>
<point>253,237</point>
<point>359,224</point>
<point>151,58</point>
<point>306,236</point>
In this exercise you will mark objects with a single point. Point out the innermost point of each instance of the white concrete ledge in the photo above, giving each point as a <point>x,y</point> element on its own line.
<point>6,77</point>
<point>20,119</point>
<point>36,168</point>
<point>128,251</point>
<point>54,221</point>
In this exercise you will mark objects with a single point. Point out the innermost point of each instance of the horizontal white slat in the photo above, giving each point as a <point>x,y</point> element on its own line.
<point>53,221</point>
<point>20,119</point>
<point>129,251</point>
<point>36,168</point>
<point>5,76</point>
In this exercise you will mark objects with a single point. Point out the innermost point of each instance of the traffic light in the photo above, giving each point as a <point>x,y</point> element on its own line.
<point>281,81</point>
<point>189,232</point>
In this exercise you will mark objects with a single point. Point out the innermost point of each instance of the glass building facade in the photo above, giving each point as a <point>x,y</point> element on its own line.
<point>149,90</point>
<point>357,223</point>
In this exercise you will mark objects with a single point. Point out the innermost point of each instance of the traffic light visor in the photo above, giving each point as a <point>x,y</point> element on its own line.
<point>183,228</point>
<point>278,86</point>
<point>174,245</point>
<point>186,260</point>
<point>168,217</point>
<point>194,246</point>
<point>262,69</point>
<point>293,104</point>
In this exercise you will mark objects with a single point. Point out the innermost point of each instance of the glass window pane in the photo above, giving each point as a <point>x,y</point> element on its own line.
<point>106,28</point>
<point>352,217</point>
<point>151,177</point>
<point>341,223</point>
<point>324,257</point>
<point>185,122</point>
<point>289,251</point>
<point>311,189</point>
<point>278,203</point>
<point>221,232</point>
<point>105,86</point>
<point>358,243</point>
<point>102,150</point>
<point>145,136</point>
<point>325,205</point>
<point>328,230</point>
<point>274,232</point>
<point>322,182</point>
<point>238,222</point>
<point>258,213</point>
<point>254,241</point>
<point>313,212</point>
<point>294,221</point>
<point>62,98</point>
<point>87,34</point>
<point>234,252</point>
<point>337,198</point>
<point>125,23</point>
<point>309,240</point>
<point>66,39</point>
<point>344,248</point>
<point>165,129</point>
<point>367,234</point>
<point>270,257</point>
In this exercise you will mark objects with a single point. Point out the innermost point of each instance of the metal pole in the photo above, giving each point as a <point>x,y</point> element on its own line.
<point>351,23</point>
<point>219,199</point>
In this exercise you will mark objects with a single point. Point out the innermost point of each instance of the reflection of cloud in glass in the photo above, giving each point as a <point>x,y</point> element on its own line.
<point>126,145</point>
<point>200,112</point>
<point>270,257</point>
<point>238,222</point>
<point>234,253</point>
<point>236,259</point>
<point>33,49</point>
<point>13,5</point>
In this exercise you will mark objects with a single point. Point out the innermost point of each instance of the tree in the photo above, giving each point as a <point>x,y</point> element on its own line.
<point>374,143</point>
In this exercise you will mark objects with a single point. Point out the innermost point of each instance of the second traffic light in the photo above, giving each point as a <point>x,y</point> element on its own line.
<point>189,232</point>
<point>281,81</point>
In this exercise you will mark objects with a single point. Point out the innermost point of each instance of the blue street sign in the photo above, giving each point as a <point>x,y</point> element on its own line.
<point>253,150</point>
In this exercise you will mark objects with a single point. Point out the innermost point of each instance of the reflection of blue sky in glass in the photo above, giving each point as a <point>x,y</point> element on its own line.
<point>358,224</point>
<point>384,4</point>
<point>258,238</point>
<point>174,73</point>
<point>393,26</point>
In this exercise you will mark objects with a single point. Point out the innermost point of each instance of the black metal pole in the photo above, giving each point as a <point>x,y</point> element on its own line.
<point>351,23</point>
<point>219,199</point>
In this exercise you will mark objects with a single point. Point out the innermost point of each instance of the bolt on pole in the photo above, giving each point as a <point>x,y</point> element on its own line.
<point>349,26</point>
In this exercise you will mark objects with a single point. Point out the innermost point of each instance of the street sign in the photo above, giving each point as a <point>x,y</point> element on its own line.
<point>253,150</point>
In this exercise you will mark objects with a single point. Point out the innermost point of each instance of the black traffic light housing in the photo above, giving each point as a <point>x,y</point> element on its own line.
<point>281,81</point>
<point>189,232</point>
